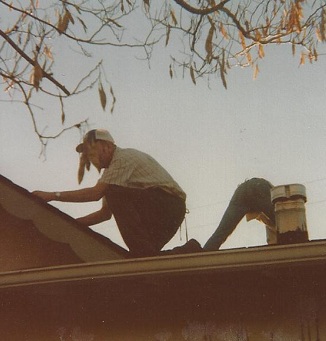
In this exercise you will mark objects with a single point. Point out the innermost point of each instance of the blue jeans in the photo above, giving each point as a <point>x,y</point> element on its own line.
<point>251,196</point>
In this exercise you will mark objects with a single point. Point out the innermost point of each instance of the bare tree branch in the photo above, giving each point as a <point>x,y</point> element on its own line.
<point>33,62</point>
<point>206,40</point>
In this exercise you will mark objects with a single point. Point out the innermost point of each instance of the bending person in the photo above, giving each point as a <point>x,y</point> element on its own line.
<point>251,198</point>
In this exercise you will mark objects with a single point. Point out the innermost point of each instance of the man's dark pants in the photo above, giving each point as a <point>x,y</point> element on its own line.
<point>147,218</point>
<point>251,196</point>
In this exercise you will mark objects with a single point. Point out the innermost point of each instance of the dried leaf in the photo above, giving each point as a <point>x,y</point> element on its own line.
<point>70,17</point>
<point>318,34</point>
<point>81,172</point>
<point>294,17</point>
<point>102,95</point>
<point>168,30</point>
<point>261,52</point>
<point>257,35</point>
<point>170,71</point>
<point>248,55</point>
<point>47,52</point>
<point>63,116</point>
<point>256,71</point>
<point>147,4</point>
<point>223,31</point>
<point>242,40</point>
<point>223,70</point>
<point>63,23</point>
<point>302,59</point>
<point>192,74</point>
<point>37,75</point>
<point>223,60</point>
<point>279,35</point>
<point>322,28</point>
<point>293,48</point>
<point>222,73</point>
<point>174,19</point>
<point>209,43</point>
<point>83,163</point>
<point>59,24</point>
<point>223,78</point>
<point>113,99</point>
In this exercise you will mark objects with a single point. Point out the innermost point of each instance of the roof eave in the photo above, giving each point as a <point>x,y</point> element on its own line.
<point>227,260</point>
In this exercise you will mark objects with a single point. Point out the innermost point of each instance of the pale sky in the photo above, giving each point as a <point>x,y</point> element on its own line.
<point>209,139</point>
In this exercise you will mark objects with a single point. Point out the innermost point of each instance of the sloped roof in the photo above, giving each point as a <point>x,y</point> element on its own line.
<point>81,255</point>
<point>35,234</point>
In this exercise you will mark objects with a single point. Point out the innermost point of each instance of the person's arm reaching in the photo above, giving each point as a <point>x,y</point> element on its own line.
<point>96,217</point>
<point>81,195</point>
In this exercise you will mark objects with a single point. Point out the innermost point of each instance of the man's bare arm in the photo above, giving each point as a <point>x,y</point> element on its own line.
<point>81,195</point>
<point>96,217</point>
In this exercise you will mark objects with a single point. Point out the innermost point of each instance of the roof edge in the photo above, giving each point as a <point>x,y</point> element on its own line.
<point>227,260</point>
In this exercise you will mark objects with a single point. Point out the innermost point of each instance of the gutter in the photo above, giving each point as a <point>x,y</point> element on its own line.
<point>220,261</point>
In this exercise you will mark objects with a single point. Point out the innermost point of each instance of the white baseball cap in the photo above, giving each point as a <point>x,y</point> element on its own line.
<point>93,135</point>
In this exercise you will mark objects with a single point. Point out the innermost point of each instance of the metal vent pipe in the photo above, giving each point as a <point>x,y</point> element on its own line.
<point>290,213</point>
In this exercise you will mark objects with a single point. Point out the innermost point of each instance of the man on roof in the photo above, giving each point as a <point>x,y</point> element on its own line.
<point>147,203</point>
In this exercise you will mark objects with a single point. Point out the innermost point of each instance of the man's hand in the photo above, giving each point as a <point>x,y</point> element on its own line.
<point>46,196</point>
